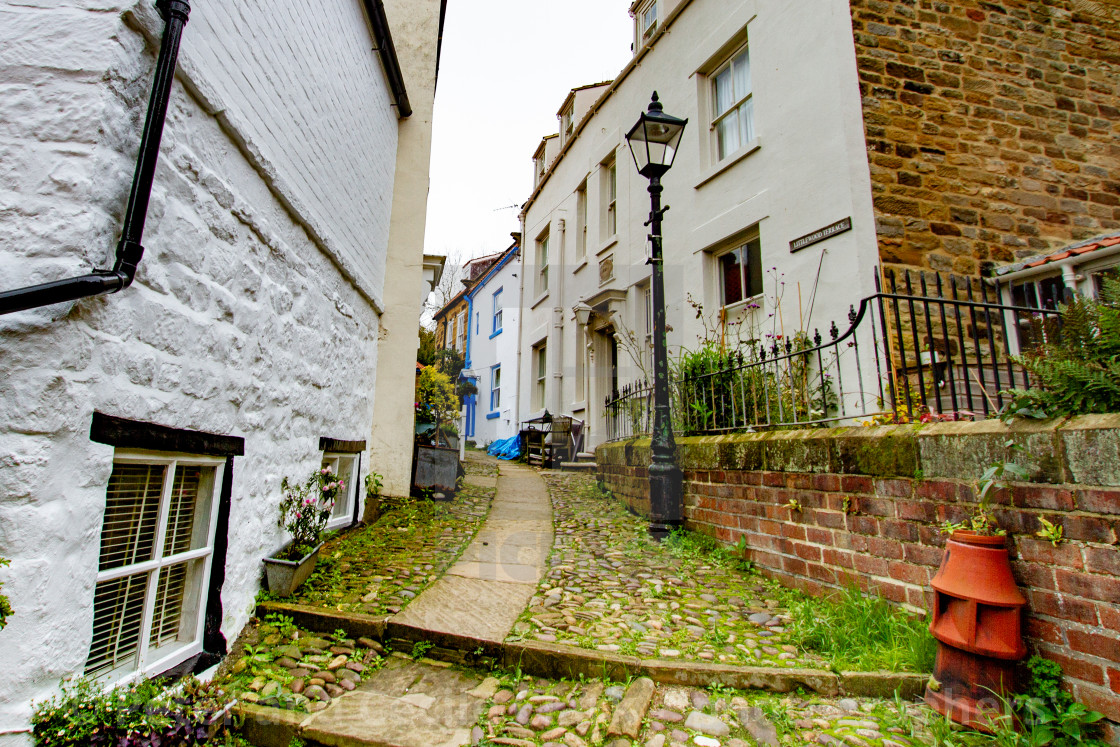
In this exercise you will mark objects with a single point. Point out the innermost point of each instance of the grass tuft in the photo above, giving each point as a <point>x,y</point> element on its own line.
<point>859,632</point>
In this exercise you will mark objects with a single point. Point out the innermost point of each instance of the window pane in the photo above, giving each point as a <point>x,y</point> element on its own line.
<point>724,94</point>
<point>727,132</point>
<point>746,121</point>
<point>185,512</point>
<point>168,611</point>
<point>118,615</point>
<point>731,276</point>
<point>128,533</point>
<point>742,67</point>
<point>753,252</point>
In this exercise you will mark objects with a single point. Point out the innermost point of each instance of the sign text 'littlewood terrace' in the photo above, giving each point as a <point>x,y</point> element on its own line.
<point>820,234</point>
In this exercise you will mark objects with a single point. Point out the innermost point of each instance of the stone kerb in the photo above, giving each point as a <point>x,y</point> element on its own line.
<point>822,509</point>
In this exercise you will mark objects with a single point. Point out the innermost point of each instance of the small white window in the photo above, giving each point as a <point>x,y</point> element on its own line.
<point>581,220</point>
<point>157,545</point>
<point>345,467</point>
<point>733,106</point>
<point>540,373</point>
<point>542,263</point>
<point>567,125</point>
<point>610,199</point>
<point>497,312</point>
<point>495,388</point>
<point>648,17</point>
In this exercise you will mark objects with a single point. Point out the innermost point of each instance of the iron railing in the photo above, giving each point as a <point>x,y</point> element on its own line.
<point>924,348</point>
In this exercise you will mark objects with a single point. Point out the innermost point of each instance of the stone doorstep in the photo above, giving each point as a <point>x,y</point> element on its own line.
<point>557,661</point>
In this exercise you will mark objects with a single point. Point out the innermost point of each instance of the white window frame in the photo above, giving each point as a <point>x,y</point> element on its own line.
<point>495,387</point>
<point>498,308</point>
<point>567,124</point>
<point>542,263</point>
<point>581,220</point>
<point>648,18</point>
<point>742,103</point>
<point>741,246</point>
<point>610,199</point>
<point>154,661</point>
<point>540,374</point>
<point>345,466</point>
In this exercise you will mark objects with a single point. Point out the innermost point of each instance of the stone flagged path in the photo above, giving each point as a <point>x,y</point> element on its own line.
<point>482,595</point>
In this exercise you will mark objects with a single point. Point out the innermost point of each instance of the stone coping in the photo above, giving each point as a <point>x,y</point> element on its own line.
<point>557,661</point>
<point>1078,450</point>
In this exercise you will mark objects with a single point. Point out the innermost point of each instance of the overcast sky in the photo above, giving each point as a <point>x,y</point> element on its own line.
<point>505,69</point>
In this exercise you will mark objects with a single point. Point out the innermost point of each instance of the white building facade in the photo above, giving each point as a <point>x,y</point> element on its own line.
<point>145,433</point>
<point>774,150</point>
<point>492,350</point>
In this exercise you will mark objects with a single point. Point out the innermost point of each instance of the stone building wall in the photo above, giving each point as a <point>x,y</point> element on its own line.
<point>824,509</point>
<point>243,320</point>
<point>991,127</point>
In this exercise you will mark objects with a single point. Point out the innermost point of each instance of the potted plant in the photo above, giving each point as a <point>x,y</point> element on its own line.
<point>977,612</point>
<point>304,512</point>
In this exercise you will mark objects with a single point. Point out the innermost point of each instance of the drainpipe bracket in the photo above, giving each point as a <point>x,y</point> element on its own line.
<point>179,8</point>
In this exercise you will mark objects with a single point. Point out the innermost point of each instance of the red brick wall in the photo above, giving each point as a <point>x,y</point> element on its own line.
<point>881,533</point>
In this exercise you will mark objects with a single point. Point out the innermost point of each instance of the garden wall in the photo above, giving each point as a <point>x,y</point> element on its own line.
<point>825,508</point>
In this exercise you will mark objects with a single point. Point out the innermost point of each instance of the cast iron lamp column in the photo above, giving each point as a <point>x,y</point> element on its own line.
<point>653,143</point>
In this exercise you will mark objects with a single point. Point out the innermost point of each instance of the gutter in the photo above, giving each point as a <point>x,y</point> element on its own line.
<point>634,62</point>
<point>129,249</point>
<point>1049,267</point>
<point>375,11</point>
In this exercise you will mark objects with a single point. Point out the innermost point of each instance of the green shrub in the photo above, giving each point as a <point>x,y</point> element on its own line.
<point>1076,371</point>
<point>148,713</point>
<point>5,605</point>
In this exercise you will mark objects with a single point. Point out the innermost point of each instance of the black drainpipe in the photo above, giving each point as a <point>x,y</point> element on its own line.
<point>129,250</point>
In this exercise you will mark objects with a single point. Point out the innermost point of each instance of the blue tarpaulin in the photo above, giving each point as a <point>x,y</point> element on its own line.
<point>509,449</point>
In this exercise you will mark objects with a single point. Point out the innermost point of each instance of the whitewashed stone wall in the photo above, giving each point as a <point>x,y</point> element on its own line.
<point>251,312</point>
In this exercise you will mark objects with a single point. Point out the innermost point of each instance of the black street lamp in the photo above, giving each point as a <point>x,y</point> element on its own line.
<point>653,143</point>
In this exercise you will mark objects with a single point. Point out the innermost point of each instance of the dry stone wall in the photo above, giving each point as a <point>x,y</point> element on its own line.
<point>991,127</point>
<point>824,509</point>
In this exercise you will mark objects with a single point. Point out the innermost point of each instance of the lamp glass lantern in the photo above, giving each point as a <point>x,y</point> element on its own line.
<point>654,140</point>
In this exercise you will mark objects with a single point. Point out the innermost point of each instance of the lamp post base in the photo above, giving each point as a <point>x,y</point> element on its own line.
<point>665,487</point>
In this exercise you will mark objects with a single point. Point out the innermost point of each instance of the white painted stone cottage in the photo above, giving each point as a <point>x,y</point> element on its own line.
<point>271,326</point>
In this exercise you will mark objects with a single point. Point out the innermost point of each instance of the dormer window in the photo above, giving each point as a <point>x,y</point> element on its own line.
<point>538,169</point>
<point>647,18</point>
<point>567,125</point>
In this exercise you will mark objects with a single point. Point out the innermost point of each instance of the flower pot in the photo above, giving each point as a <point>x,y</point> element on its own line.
<point>285,576</point>
<point>977,621</point>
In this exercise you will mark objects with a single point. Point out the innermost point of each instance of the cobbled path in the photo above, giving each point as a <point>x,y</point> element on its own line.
<point>380,568</point>
<point>610,588</point>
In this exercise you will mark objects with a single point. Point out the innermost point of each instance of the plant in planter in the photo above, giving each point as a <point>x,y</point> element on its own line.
<point>304,512</point>
<point>977,611</point>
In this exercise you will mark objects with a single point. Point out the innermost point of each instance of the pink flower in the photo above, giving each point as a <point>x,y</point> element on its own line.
<point>324,471</point>
<point>326,488</point>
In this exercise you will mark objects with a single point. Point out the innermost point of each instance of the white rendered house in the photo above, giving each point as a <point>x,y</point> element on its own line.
<point>774,150</point>
<point>492,352</point>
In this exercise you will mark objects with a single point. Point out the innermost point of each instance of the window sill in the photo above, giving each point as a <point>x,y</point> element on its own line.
<point>495,333</point>
<point>607,244</point>
<point>578,406</point>
<point>744,306</point>
<point>493,415</point>
<point>712,172</point>
<point>580,266</point>
<point>538,300</point>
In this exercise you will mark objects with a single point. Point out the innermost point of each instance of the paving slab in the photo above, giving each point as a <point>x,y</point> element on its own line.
<point>484,592</point>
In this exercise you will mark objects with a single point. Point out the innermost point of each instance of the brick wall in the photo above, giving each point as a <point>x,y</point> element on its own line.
<point>869,502</point>
<point>991,127</point>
